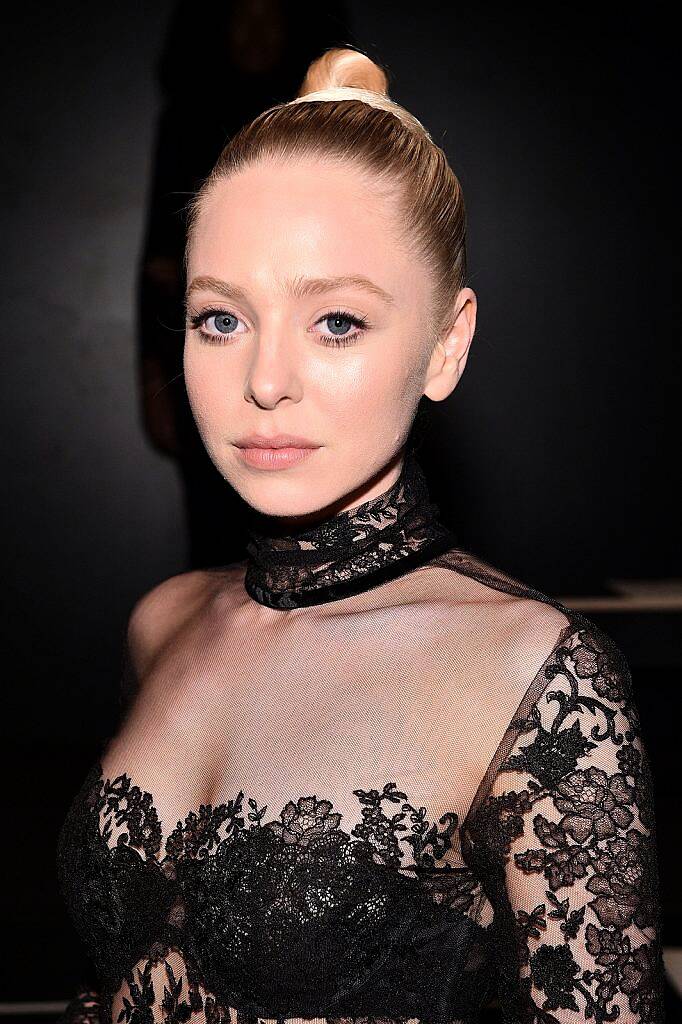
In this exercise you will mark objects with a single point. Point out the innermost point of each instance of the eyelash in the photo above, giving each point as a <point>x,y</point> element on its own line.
<point>329,340</point>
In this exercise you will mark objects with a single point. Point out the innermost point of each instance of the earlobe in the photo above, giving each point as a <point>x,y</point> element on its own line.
<point>443,378</point>
<point>450,352</point>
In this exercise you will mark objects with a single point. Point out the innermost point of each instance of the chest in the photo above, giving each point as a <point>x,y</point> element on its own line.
<point>286,917</point>
<point>282,789</point>
<point>285,710</point>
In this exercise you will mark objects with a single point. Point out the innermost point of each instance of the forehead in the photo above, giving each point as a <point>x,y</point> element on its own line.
<point>301,217</point>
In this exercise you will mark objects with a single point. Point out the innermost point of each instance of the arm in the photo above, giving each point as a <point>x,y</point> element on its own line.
<point>153,624</point>
<point>566,839</point>
<point>150,627</point>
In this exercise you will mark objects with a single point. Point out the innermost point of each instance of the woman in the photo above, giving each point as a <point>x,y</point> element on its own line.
<point>402,780</point>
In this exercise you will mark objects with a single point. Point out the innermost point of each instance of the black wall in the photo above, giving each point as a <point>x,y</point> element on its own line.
<point>561,440</point>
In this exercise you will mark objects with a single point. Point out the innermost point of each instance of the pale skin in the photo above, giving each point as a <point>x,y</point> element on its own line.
<point>264,230</point>
<point>239,697</point>
<point>271,227</point>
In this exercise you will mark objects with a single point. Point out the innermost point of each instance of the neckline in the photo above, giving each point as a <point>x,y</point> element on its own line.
<point>133,810</point>
<point>350,552</point>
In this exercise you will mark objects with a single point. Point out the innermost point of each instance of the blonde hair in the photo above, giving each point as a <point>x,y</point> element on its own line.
<point>343,111</point>
<point>346,74</point>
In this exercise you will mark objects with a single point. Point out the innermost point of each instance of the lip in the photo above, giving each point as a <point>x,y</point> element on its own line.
<point>274,458</point>
<point>275,442</point>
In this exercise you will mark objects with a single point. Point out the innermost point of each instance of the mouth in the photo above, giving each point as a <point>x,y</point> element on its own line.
<point>280,457</point>
<point>275,442</point>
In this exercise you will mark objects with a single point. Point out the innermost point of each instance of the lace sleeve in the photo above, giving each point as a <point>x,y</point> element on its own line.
<point>565,841</point>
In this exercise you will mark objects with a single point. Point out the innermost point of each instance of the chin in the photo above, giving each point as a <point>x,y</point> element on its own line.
<point>283,495</point>
<point>290,500</point>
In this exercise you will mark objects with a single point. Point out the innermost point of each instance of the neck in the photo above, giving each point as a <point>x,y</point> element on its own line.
<point>346,552</point>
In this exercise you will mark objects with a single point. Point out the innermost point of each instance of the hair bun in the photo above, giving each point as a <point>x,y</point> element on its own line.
<point>342,66</point>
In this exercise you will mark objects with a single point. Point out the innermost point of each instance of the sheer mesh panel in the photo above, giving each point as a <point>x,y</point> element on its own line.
<point>390,793</point>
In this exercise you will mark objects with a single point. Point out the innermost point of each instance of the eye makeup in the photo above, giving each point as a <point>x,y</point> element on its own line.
<point>198,321</point>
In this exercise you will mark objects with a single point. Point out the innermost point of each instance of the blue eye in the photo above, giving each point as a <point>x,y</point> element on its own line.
<point>224,324</point>
<point>340,320</point>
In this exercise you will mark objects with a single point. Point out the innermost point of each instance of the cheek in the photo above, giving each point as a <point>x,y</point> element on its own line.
<point>378,387</point>
<point>388,365</point>
<point>208,393</point>
<point>381,390</point>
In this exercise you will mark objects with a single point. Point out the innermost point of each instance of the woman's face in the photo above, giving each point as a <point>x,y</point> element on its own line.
<point>305,317</point>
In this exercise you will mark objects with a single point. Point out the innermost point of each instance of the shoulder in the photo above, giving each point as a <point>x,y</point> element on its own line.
<point>507,615</point>
<point>534,657</point>
<point>161,614</point>
<point>533,627</point>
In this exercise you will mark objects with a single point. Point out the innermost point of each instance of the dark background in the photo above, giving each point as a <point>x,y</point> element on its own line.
<point>561,441</point>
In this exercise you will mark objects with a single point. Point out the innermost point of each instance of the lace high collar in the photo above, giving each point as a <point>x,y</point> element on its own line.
<point>351,551</point>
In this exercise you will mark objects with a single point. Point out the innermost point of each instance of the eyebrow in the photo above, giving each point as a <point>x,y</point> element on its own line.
<point>297,288</point>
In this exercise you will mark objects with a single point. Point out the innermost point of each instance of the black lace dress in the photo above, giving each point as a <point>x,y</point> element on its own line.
<point>367,775</point>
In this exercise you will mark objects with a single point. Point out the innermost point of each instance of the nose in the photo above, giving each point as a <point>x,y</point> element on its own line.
<point>273,372</point>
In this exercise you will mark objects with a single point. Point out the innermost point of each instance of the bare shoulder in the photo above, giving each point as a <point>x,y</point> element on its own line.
<point>507,632</point>
<point>508,622</point>
<point>534,629</point>
<point>161,615</point>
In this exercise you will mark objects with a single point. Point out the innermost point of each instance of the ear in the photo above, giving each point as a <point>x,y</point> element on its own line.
<point>449,356</point>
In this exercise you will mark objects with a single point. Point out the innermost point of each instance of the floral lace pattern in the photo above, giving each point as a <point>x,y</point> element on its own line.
<point>242,900</point>
<point>351,551</point>
<point>545,892</point>
<point>578,839</point>
<point>566,860</point>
